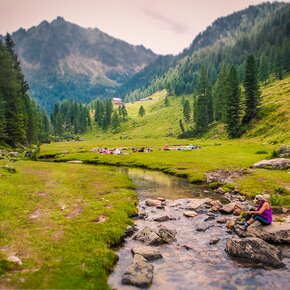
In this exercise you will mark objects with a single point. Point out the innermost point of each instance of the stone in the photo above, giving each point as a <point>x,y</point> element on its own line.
<point>216,203</point>
<point>219,190</point>
<point>222,220</point>
<point>255,250</point>
<point>15,260</point>
<point>214,240</point>
<point>164,218</point>
<point>149,253</point>
<point>152,202</point>
<point>202,227</point>
<point>277,163</point>
<point>139,273</point>
<point>149,237</point>
<point>277,232</point>
<point>161,198</point>
<point>196,203</point>
<point>231,223</point>
<point>190,213</point>
<point>167,235</point>
<point>228,208</point>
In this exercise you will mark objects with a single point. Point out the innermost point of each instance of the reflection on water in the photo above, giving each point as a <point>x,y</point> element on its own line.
<point>152,184</point>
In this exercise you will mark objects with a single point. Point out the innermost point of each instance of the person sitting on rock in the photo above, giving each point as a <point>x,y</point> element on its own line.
<point>263,213</point>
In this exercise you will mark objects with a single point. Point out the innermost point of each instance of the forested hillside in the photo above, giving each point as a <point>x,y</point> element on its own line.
<point>262,31</point>
<point>21,121</point>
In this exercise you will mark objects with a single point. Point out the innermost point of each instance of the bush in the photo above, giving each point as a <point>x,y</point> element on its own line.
<point>274,154</point>
<point>215,185</point>
<point>261,152</point>
<point>282,191</point>
<point>276,200</point>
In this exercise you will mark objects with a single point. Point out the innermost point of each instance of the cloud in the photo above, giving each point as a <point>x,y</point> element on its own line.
<point>166,22</point>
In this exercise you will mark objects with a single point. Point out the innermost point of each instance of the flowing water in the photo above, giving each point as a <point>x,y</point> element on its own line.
<point>191,262</point>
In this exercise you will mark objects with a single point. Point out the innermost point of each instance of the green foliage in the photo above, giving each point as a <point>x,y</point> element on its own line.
<point>261,152</point>
<point>275,200</point>
<point>216,184</point>
<point>141,111</point>
<point>186,111</point>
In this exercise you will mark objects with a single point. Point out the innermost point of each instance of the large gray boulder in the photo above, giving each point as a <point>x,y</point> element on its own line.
<point>155,237</point>
<point>255,250</point>
<point>148,253</point>
<point>277,232</point>
<point>277,163</point>
<point>139,273</point>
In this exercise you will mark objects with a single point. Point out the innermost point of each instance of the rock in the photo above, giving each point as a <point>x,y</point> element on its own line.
<point>139,273</point>
<point>190,213</point>
<point>15,260</point>
<point>231,223</point>
<point>219,190</point>
<point>222,220</point>
<point>216,203</point>
<point>202,227</point>
<point>164,218</point>
<point>152,202</point>
<point>148,253</point>
<point>13,154</point>
<point>228,208</point>
<point>209,218</point>
<point>277,232</point>
<point>277,163</point>
<point>161,198</point>
<point>167,235</point>
<point>255,250</point>
<point>196,203</point>
<point>149,237</point>
<point>238,209</point>
<point>214,241</point>
<point>129,232</point>
<point>156,237</point>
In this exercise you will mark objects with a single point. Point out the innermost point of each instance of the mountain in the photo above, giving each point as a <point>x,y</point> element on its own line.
<point>63,60</point>
<point>261,30</point>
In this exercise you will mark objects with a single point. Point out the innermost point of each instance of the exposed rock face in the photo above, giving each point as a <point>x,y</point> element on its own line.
<point>148,253</point>
<point>255,250</point>
<point>277,163</point>
<point>139,273</point>
<point>277,232</point>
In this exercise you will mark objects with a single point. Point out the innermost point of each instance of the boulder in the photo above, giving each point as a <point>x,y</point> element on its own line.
<point>277,232</point>
<point>164,218</point>
<point>149,237</point>
<point>139,273</point>
<point>152,202</point>
<point>214,240</point>
<point>255,250</point>
<point>150,254</point>
<point>277,163</point>
<point>190,213</point>
<point>155,237</point>
<point>196,203</point>
<point>228,208</point>
<point>220,191</point>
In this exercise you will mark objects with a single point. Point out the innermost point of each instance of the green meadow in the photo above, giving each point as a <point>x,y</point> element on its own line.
<point>64,220</point>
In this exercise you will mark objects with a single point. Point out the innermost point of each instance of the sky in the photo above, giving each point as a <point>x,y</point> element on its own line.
<point>165,26</point>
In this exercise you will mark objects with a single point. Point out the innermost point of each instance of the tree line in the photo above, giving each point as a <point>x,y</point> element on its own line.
<point>21,121</point>
<point>224,101</point>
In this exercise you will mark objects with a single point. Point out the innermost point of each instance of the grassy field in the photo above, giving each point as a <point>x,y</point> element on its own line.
<point>62,222</point>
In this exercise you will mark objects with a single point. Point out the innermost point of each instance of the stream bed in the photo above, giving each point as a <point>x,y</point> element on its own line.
<point>192,261</point>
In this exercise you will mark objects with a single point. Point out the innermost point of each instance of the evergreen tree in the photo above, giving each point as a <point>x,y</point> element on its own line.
<point>186,111</point>
<point>3,123</point>
<point>200,114</point>
<point>115,120</point>
<point>263,68</point>
<point>141,111</point>
<point>233,110</point>
<point>219,94</point>
<point>278,64</point>
<point>58,125</point>
<point>124,112</point>
<point>252,90</point>
<point>166,102</point>
<point>181,126</point>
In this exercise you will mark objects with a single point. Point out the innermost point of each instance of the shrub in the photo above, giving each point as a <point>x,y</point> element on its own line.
<point>282,191</point>
<point>275,200</point>
<point>215,185</point>
<point>261,152</point>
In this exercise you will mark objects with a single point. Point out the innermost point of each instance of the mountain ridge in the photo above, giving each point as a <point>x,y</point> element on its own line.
<point>63,60</point>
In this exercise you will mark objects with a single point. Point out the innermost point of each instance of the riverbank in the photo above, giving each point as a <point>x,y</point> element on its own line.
<point>59,222</point>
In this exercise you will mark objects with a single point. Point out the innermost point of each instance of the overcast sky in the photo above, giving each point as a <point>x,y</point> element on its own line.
<point>165,26</point>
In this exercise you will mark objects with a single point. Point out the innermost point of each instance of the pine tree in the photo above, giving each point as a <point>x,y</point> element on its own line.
<point>263,68</point>
<point>181,126</point>
<point>219,94</point>
<point>252,90</point>
<point>124,112</point>
<point>186,111</point>
<point>166,102</point>
<point>233,110</point>
<point>141,111</point>
<point>115,120</point>
<point>200,114</point>
<point>3,123</point>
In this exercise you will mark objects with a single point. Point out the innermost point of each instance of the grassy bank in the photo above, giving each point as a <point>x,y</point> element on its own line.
<point>61,221</point>
<point>193,164</point>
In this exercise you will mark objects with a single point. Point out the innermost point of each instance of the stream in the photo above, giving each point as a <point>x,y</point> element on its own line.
<point>191,262</point>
